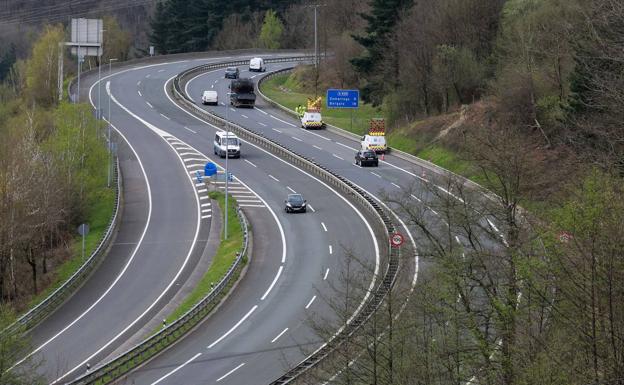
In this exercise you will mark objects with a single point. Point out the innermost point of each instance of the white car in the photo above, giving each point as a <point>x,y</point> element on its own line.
<point>210,97</point>
<point>257,65</point>
<point>227,144</point>
<point>376,143</point>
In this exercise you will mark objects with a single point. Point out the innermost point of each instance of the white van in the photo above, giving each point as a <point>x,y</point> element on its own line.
<point>210,97</point>
<point>233,145</point>
<point>257,65</point>
<point>376,143</point>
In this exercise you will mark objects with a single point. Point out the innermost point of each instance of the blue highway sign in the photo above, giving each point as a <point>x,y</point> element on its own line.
<point>343,98</point>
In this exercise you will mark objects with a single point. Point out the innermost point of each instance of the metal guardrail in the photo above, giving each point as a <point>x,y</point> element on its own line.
<point>67,289</point>
<point>349,135</point>
<point>125,362</point>
<point>325,174</point>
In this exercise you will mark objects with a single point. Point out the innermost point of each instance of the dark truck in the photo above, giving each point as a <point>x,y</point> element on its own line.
<point>242,93</point>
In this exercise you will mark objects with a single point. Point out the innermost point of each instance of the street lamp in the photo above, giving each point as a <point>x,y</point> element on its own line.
<point>110,150</point>
<point>227,171</point>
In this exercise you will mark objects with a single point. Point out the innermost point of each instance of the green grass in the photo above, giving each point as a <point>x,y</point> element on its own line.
<point>336,117</point>
<point>223,259</point>
<point>275,89</point>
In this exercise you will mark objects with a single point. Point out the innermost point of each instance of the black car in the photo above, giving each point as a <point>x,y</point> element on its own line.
<point>366,158</point>
<point>231,73</point>
<point>295,204</point>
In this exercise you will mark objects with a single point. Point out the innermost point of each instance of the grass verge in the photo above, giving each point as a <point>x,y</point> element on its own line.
<point>283,90</point>
<point>223,259</point>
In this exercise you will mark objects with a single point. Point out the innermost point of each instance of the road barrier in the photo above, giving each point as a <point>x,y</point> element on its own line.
<point>52,302</point>
<point>139,354</point>
<point>348,188</point>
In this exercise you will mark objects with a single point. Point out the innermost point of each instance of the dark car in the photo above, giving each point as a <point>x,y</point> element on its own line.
<point>295,204</point>
<point>366,158</point>
<point>231,73</point>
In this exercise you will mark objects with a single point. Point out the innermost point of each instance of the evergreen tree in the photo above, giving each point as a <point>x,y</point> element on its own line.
<point>183,26</point>
<point>381,56</point>
<point>7,61</point>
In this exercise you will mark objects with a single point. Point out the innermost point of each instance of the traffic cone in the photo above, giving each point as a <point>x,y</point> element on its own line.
<point>383,157</point>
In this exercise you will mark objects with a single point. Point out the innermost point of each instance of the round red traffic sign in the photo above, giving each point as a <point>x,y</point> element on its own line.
<point>396,240</point>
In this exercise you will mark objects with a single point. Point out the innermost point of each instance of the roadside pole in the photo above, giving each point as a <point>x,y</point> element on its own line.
<point>110,149</point>
<point>227,171</point>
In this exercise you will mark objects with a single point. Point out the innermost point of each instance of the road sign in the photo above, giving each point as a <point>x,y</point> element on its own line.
<point>343,98</point>
<point>396,240</point>
<point>210,169</point>
<point>83,229</point>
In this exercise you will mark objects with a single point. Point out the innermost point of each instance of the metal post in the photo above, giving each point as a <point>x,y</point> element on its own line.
<point>110,149</point>
<point>83,245</point>
<point>227,172</point>
<point>99,62</point>
<point>60,72</point>
<point>78,91</point>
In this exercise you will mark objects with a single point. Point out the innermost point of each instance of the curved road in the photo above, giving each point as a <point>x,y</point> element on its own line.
<point>255,337</point>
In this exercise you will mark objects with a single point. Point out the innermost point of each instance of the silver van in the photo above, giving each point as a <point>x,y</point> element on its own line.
<point>227,141</point>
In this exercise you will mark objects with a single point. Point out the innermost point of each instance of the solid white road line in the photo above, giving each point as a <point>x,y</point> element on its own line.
<point>230,372</point>
<point>189,153</point>
<point>276,130</point>
<point>140,94</point>
<point>331,250</point>
<point>279,335</point>
<point>233,327</point>
<point>205,216</point>
<point>310,303</point>
<point>324,227</point>
<point>203,190</point>
<point>163,135</point>
<point>395,185</point>
<point>177,369</point>
<point>186,128</point>
<point>250,163</point>
<point>311,208</point>
<point>242,205</point>
<point>326,273</point>
<point>205,204</point>
<point>279,272</point>
<point>149,104</point>
<point>415,197</point>
<point>291,190</point>
<point>274,178</point>
<point>165,116</point>
<point>257,109</point>
<point>203,198</point>
<point>336,156</point>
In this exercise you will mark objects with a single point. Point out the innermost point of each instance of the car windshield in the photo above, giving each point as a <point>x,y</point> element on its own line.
<point>232,141</point>
<point>295,199</point>
<point>368,153</point>
<point>230,69</point>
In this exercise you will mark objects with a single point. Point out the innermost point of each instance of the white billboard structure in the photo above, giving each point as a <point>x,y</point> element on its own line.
<point>86,40</point>
<point>86,37</point>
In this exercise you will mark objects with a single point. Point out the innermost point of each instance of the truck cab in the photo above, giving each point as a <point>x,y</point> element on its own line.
<point>312,119</point>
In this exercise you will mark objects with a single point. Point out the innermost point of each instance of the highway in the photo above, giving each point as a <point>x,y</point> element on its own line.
<point>266,316</point>
<point>256,335</point>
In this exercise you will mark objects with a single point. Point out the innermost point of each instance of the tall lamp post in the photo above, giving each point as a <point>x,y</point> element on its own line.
<point>227,171</point>
<point>110,149</point>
